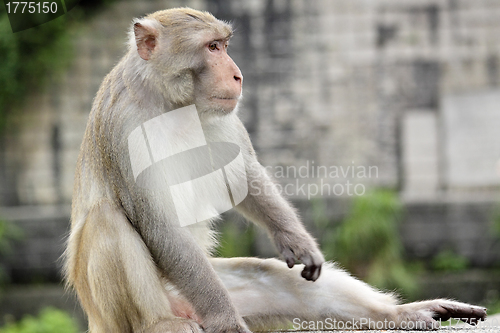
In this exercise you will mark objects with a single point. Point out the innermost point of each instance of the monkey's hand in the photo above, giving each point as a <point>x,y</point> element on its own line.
<point>303,248</point>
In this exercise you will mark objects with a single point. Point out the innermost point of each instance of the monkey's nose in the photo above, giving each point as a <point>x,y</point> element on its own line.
<point>238,78</point>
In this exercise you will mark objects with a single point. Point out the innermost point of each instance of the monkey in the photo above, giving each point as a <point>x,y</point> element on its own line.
<point>136,269</point>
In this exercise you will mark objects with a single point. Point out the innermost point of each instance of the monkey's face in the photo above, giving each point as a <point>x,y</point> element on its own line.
<point>218,85</point>
<point>186,52</point>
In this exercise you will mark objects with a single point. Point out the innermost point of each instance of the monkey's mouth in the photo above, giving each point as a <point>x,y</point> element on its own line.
<point>225,98</point>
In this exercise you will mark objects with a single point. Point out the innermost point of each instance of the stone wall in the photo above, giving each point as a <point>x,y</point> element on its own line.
<point>337,83</point>
<point>36,256</point>
<point>410,88</point>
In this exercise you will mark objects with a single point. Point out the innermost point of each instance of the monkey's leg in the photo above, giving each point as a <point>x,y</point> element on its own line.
<point>116,280</point>
<point>267,293</point>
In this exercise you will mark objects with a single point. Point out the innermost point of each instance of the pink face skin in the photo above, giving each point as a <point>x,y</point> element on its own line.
<point>217,87</point>
<point>221,84</point>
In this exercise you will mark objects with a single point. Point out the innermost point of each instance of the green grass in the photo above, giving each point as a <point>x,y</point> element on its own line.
<point>48,321</point>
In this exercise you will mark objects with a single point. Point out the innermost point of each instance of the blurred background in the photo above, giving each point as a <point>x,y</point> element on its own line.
<point>379,119</point>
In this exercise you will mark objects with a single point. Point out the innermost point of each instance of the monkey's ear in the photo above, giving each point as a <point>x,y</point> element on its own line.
<point>146,39</point>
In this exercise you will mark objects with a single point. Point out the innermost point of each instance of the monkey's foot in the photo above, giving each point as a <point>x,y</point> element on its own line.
<point>428,315</point>
<point>177,325</point>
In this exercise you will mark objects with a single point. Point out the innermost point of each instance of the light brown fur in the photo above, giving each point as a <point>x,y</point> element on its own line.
<point>135,270</point>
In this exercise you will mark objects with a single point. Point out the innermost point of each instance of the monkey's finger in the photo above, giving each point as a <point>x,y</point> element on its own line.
<point>289,257</point>
<point>313,264</point>
<point>312,268</point>
<point>317,273</point>
<point>311,273</point>
<point>308,273</point>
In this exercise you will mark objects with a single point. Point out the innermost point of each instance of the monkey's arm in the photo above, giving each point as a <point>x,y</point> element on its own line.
<point>184,263</point>
<point>264,206</point>
<point>266,293</point>
<point>267,208</point>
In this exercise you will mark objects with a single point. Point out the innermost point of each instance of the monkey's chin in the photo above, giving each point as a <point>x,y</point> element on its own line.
<point>221,106</point>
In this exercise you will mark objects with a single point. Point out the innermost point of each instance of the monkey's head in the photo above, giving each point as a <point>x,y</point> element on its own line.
<point>183,53</point>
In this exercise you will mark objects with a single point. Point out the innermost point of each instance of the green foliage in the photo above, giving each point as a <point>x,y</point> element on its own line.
<point>496,220</point>
<point>492,301</point>
<point>447,260</point>
<point>493,307</point>
<point>235,241</point>
<point>368,244</point>
<point>27,57</point>
<point>371,229</point>
<point>49,321</point>
<point>495,226</point>
<point>8,234</point>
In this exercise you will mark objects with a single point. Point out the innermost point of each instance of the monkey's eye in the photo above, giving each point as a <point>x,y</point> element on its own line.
<point>213,46</point>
